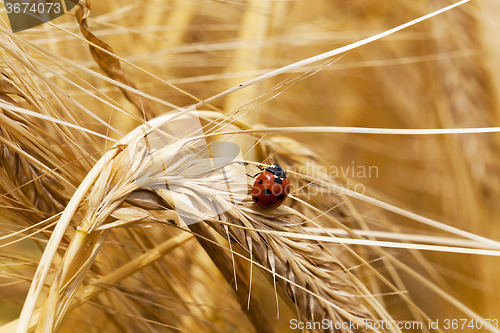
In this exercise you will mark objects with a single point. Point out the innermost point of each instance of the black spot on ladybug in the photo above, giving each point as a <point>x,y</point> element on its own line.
<point>267,191</point>
<point>259,181</point>
<point>278,180</point>
<point>255,199</point>
<point>281,196</point>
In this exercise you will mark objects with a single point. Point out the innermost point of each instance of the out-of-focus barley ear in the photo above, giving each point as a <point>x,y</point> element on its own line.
<point>26,178</point>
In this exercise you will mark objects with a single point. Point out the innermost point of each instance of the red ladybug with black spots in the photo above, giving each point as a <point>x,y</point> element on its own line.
<point>271,187</point>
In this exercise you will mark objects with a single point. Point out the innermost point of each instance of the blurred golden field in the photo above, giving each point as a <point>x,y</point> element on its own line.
<point>442,73</point>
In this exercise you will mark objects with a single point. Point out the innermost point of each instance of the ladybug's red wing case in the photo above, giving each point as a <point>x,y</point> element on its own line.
<point>269,191</point>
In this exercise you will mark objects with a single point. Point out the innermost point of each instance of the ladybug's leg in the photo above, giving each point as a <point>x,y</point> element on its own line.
<point>254,175</point>
<point>247,164</point>
<point>262,169</point>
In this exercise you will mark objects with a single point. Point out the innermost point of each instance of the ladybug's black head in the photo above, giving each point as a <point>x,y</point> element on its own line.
<point>277,170</point>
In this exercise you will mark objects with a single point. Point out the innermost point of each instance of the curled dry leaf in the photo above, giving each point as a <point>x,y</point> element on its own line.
<point>108,63</point>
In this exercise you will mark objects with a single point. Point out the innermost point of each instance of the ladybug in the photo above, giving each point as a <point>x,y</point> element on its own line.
<point>271,187</point>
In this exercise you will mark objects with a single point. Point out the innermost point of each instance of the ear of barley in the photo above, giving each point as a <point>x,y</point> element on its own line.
<point>314,281</point>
